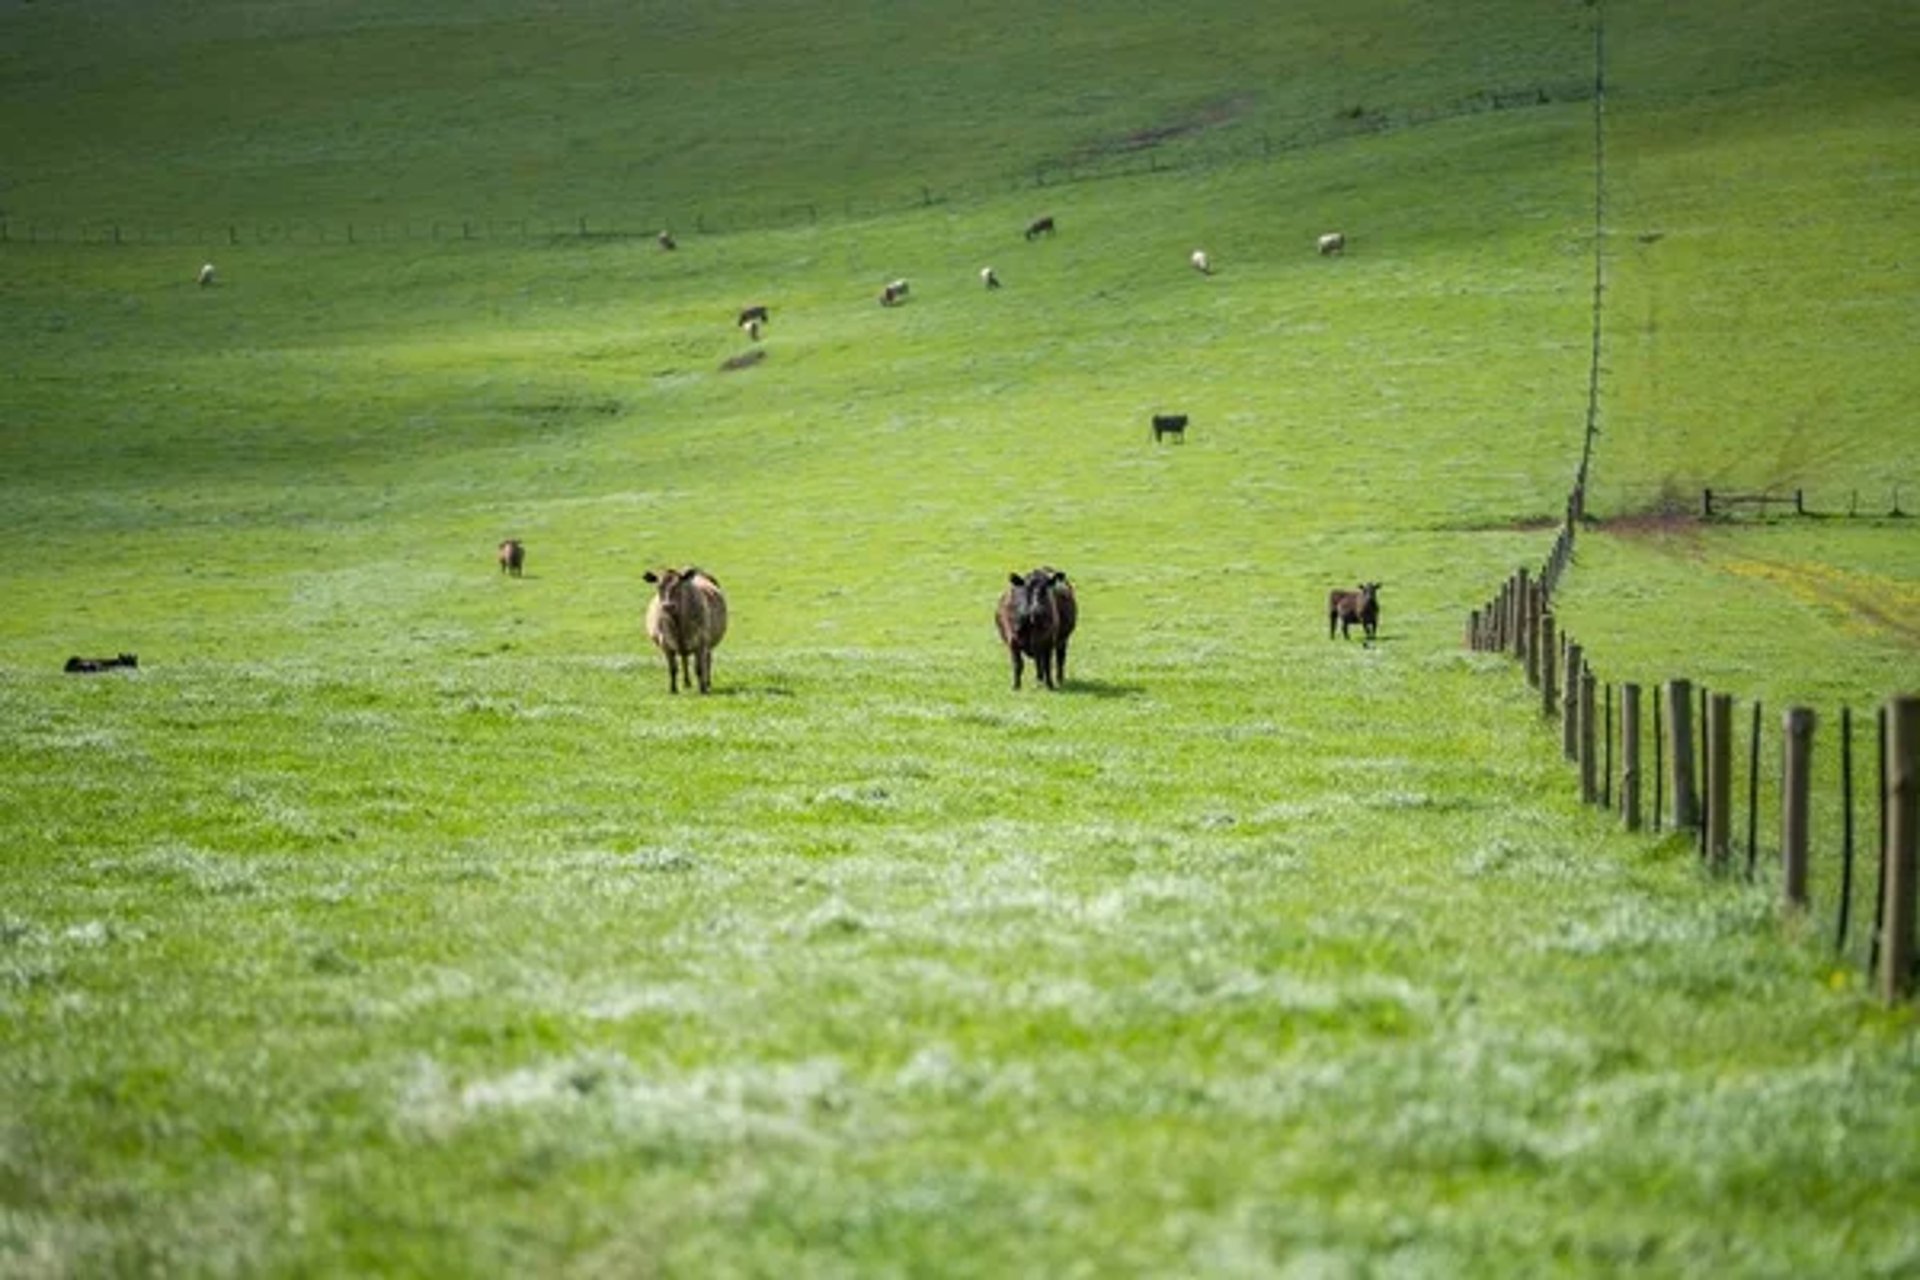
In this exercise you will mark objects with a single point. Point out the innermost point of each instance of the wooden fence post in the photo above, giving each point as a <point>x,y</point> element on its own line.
<point>1902,807</point>
<point>1548,694</point>
<point>1753,790</point>
<point>1606,751</point>
<point>1522,610</point>
<point>1536,604</point>
<point>1570,707</point>
<point>1686,809</point>
<point>1630,756</point>
<point>1846,828</point>
<point>1589,763</point>
<point>1659,762</point>
<point>1796,790</point>
<point>1719,778</point>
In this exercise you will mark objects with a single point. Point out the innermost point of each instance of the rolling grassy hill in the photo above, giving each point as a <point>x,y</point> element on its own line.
<point>393,918</point>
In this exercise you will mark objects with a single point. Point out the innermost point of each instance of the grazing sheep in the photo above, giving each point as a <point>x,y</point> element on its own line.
<point>894,294</point>
<point>1040,227</point>
<point>1201,263</point>
<point>206,274</point>
<point>989,279</point>
<point>1344,608</point>
<point>686,620</point>
<point>1035,617</point>
<point>1333,242</point>
<point>513,555</point>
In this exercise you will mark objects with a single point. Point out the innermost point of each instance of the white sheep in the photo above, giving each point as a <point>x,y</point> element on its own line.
<point>206,274</point>
<point>1201,263</point>
<point>989,279</point>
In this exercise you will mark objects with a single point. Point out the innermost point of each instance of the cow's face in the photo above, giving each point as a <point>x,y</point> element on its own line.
<point>1368,590</point>
<point>666,585</point>
<point>1033,604</point>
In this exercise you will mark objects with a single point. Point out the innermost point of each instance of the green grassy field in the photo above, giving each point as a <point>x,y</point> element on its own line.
<point>394,919</point>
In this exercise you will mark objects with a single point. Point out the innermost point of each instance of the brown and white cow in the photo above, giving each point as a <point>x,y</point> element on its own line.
<point>686,620</point>
<point>513,555</point>
<point>1333,242</point>
<point>1035,618</point>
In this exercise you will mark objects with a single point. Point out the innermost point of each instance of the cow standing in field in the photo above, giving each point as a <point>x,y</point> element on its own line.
<point>1333,242</point>
<point>666,240</point>
<point>1170,424</point>
<point>1201,262</point>
<point>894,294</point>
<point>686,620</point>
<point>756,312</point>
<point>513,555</point>
<point>1040,227</point>
<point>1035,618</point>
<point>1344,608</point>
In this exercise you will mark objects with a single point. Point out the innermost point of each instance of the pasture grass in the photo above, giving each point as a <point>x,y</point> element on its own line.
<point>392,918</point>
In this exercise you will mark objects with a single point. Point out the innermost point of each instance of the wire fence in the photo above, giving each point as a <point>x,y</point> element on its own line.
<point>1696,778</point>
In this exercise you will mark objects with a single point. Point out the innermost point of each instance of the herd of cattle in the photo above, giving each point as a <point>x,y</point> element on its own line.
<point>1036,614</point>
<point>1035,617</point>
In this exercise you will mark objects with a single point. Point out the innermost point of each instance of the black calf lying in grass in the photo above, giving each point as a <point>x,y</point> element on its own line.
<point>86,666</point>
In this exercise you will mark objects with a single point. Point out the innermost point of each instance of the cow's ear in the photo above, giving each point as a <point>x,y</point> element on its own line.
<point>1016,580</point>
<point>1059,578</point>
<point>650,576</point>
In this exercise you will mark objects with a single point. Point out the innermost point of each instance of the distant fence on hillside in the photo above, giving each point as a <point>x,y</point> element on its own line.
<point>1149,152</point>
<point>1886,498</point>
<point>1694,789</point>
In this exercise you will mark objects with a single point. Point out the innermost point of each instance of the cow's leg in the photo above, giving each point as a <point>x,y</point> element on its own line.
<point>1043,662</point>
<point>1060,663</point>
<point>1017,665</point>
<point>673,672</point>
<point>1333,623</point>
<point>706,669</point>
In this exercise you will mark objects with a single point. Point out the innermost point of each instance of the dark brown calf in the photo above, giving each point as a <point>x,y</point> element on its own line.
<point>1040,227</point>
<point>1170,424</point>
<point>1344,608</point>
<point>513,555</point>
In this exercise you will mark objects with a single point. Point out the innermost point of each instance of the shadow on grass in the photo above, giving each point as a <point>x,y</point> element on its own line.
<point>1101,689</point>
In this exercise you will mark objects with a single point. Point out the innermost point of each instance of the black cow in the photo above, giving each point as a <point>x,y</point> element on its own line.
<point>1040,227</point>
<point>1170,424</point>
<point>1035,618</point>
<point>87,666</point>
<point>756,312</point>
<point>1344,608</point>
